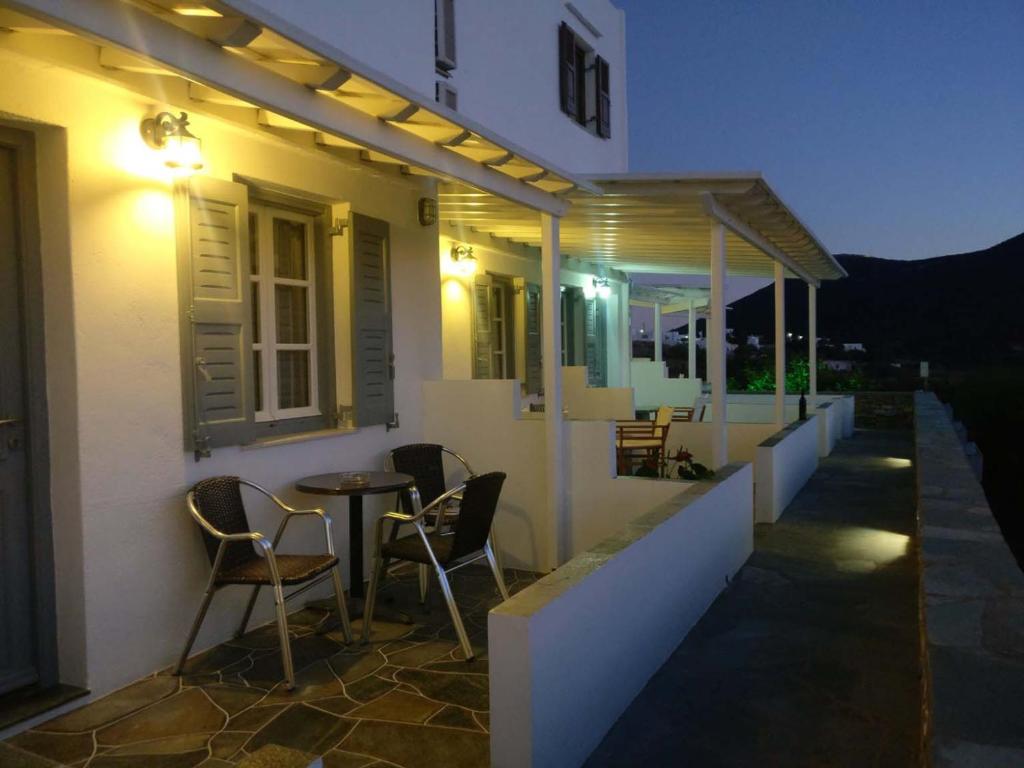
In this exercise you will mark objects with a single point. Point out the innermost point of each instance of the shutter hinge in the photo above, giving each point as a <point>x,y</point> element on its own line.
<point>340,225</point>
<point>202,445</point>
<point>393,424</point>
<point>191,312</point>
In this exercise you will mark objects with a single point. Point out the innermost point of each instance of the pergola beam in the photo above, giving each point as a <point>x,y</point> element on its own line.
<point>714,209</point>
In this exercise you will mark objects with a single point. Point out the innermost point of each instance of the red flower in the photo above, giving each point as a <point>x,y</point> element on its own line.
<point>682,455</point>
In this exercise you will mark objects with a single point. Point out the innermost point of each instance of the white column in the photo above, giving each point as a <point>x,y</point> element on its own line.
<point>626,338</point>
<point>554,425</point>
<point>716,350</point>
<point>657,332</point>
<point>812,347</point>
<point>691,343</point>
<point>780,345</point>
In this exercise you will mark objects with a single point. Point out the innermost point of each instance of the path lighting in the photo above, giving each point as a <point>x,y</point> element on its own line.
<point>464,263</point>
<point>170,134</point>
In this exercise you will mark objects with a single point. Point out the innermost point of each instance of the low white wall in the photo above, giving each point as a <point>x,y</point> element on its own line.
<point>482,420</point>
<point>569,653</point>
<point>830,427</point>
<point>653,387</point>
<point>785,462</point>
<point>584,402</point>
<point>849,405</point>
<point>696,438</point>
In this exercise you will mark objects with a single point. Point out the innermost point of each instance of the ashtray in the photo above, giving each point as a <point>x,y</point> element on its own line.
<point>350,479</point>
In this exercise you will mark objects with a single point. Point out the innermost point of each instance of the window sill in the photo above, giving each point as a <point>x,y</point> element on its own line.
<point>299,437</point>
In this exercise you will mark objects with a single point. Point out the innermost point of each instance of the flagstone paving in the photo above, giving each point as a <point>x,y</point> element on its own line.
<point>811,657</point>
<point>407,699</point>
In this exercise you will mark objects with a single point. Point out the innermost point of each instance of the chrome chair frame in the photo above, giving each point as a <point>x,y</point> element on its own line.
<point>424,573</point>
<point>267,551</point>
<point>416,519</point>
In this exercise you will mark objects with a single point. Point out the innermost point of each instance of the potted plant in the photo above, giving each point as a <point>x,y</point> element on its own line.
<point>688,469</point>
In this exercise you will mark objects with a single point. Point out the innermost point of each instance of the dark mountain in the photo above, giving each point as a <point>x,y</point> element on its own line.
<point>962,309</point>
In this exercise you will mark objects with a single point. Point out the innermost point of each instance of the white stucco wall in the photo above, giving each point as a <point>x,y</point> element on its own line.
<point>570,652</point>
<point>785,462</point>
<point>507,73</point>
<point>132,567</point>
<point>654,387</point>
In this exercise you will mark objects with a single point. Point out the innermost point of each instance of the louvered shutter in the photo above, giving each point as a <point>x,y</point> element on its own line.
<point>567,69</point>
<point>483,328</point>
<point>595,336</point>
<point>604,108</point>
<point>213,277</point>
<point>373,360</point>
<point>534,369</point>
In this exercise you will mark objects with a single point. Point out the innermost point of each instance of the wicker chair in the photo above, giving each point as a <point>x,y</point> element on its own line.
<point>425,462</point>
<point>216,505</point>
<point>466,542</point>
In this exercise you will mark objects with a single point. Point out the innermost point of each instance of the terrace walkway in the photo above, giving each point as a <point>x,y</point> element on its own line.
<point>810,657</point>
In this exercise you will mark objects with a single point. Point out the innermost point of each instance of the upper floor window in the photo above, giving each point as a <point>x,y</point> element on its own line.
<point>444,35</point>
<point>583,83</point>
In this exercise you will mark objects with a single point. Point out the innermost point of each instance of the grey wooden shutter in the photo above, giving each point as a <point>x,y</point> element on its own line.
<point>604,117</point>
<point>373,360</point>
<point>595,339</point>
<point>213,277</point>
<point>483,328</point>
<point>567,69</point>
<point>534,369</point>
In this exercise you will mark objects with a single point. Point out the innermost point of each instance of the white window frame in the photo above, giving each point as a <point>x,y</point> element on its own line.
<point>268,346</point>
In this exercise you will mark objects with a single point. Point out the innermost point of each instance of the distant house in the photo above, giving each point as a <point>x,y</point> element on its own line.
<point>753,340</point>
<point>674,337</point>
<point>838,365</point>
<point>853,347</point>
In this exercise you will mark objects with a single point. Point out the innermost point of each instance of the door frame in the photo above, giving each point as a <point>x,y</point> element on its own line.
<point>37,432</point>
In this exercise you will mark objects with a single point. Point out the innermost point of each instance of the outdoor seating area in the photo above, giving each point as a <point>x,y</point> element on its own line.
<point>406,698</point>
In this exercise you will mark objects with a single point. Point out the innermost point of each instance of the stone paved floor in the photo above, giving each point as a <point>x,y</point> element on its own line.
<point>810,657</point>
<point>407,699</point>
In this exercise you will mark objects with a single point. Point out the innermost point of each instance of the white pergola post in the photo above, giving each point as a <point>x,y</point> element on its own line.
<point>657,332</point>
<point>551,346</point>
<point>780,345</point>
<point>691,341</point>
<point>812,347</point>
<point>717,351</point>
<point>626,338</point>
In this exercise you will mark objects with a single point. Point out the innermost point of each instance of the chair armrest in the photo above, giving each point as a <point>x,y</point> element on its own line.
<point>440,501</point>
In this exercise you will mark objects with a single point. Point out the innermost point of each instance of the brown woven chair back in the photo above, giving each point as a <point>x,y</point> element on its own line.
<point>425,462</point>
<point>476,513</point>
<point>219,501</point>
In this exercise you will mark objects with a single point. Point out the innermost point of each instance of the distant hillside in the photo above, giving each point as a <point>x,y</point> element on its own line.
<point>966,308</point>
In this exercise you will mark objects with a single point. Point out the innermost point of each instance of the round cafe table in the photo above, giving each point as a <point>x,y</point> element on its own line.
<point>331,484</point>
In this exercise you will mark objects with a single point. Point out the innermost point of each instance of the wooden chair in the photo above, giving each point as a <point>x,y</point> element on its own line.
<point>642,438</point>
<point>216,505</point>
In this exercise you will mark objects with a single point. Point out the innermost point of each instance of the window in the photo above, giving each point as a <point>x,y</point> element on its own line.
<point>494,332</point>
<point>444,35</point>
<point>283,279</point>
<point>583,83</point>
<point>255,276</point>
<point>446,94</point>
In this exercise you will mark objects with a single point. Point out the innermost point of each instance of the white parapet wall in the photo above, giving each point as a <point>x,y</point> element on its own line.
<point>785,462</point>
<point>695,437</point>
<point>585,402</point>
<point>830,426</point>
<point>849,408</point>
<point>653,387</point>
<point>569,653</point>
<point>482,420</point>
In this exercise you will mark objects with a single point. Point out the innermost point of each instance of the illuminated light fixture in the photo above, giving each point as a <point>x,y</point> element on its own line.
<point>426,211</point>
<point>598,286</point>
<point>170,134</point>
<point>464,263</point>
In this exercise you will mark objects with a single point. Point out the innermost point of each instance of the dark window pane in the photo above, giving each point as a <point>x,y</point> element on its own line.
<point>257,373</point>
<point>254,245</point>
<point>293,379</point>
<point>255,313</point>
<point>290,249</point>
<point>292,314</point>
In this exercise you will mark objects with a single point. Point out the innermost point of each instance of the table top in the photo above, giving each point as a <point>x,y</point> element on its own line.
<point>330,484</point>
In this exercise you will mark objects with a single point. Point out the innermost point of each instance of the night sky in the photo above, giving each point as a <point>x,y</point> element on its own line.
<point>894,129</point>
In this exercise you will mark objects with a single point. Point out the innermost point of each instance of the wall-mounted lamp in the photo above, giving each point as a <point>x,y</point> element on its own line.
<point>598,286</point>
<point>170,134</point>
<point>426,211</point>
<point>463,261</point>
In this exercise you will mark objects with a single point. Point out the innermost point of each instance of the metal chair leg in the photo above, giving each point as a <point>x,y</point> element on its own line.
<point>453,609</point>
<point>248,611</point>
<point>371,596</point>
<point>339,596</point>
<point>196,624</point>
<point>496,550</point>
<point>498,576</point>
<point>424,579</point>
<point>282,632</point>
